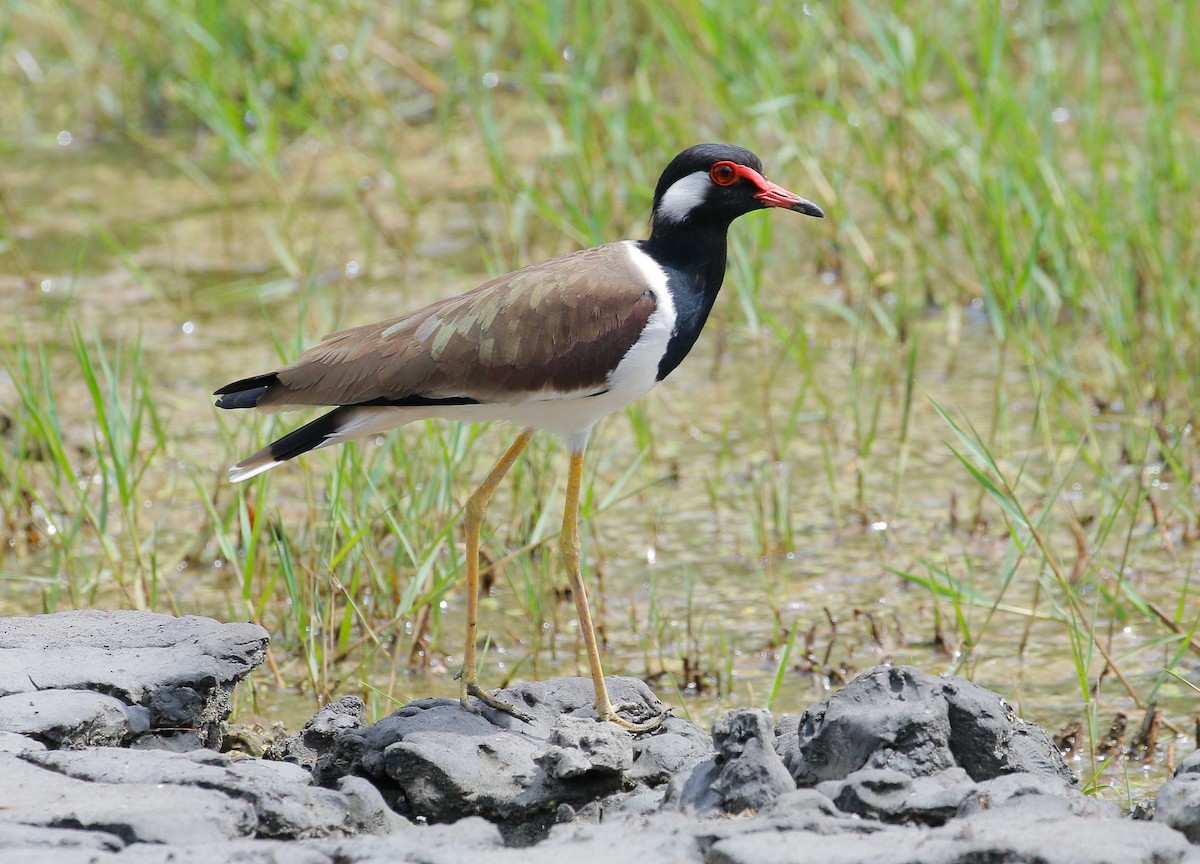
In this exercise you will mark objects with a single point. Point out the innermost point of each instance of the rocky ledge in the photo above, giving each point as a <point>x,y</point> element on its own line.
<point>108,720</point>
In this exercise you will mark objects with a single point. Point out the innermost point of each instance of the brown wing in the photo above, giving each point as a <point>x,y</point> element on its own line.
<point>559,326</point>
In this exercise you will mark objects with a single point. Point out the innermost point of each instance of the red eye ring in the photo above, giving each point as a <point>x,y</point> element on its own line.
<point>723,173</point>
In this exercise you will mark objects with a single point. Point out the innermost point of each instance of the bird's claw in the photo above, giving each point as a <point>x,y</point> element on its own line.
<point>472,689</point>
<point>612,715</point>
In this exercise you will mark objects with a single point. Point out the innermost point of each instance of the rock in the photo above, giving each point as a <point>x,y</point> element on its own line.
<point>470,839</point>
<point>319,734</point>
<point>71,718</point>
<point>901,719</point>
<point>680,837</point>
<point>752,774</point>
<point>746,773</point>
<point>132,813</point>
<point>1142,809</point>
<point>179,742</point>
<point>1034,829</point>
<point>249,739</point>
<point>432,760</point>
<point>665,837</point>
<point>11,742</point>
<point>810,810</point>
<point>899,768</point>
<point>580,747</point>
<point>1178,802</point>
<point>989,740</point>
<point>1000,791</point>
<point>1047,828</point>
<point>890,796</point>
<point>658,758</point>
<point>232,852</point>
<point>27,838</point>
<point>367,807</point>
<point>285,803</point>
<point>337,717</point>
<point>181,671</point>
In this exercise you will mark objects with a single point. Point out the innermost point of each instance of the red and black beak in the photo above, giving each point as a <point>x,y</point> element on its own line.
<point>774,195</point>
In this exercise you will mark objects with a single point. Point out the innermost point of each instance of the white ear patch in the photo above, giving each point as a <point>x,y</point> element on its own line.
<point>683,196</point>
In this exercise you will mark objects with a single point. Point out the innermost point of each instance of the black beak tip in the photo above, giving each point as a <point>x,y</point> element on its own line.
<point>808,209</point>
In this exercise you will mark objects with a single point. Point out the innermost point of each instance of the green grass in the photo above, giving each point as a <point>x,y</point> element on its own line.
<point>969,393</point>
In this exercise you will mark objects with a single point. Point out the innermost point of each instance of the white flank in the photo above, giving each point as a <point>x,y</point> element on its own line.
<point>683,196</point>
<point>638,370</point>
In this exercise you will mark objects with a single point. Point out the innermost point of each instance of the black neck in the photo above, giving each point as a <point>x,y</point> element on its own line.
<point>693,256</point>
<point>697,251</point>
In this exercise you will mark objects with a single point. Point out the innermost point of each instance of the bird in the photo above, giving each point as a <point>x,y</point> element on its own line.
<point>554,346</point>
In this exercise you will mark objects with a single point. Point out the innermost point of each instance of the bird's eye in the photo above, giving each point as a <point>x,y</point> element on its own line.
<point>723,174</point>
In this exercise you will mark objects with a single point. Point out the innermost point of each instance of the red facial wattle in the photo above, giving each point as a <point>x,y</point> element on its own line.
<point>770,194</point>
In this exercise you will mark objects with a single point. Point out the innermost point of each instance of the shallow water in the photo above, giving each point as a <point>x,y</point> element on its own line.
<point>126,248</point>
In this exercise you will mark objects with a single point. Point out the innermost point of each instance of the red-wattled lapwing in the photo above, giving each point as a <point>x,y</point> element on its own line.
<point>554,346</point>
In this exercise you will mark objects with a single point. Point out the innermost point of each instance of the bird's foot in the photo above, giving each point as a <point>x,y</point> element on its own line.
<point>470,689</point>
<point>612,715</point>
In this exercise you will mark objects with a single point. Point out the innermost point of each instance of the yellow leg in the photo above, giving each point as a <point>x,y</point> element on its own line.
<point>476,508</point>
<point>570,547</point>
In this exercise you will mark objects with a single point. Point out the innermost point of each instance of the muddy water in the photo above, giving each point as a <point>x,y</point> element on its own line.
<point>129,248</point>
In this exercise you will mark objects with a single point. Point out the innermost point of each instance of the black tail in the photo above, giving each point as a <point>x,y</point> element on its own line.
<point>246,392</point>
<point>307,437</point>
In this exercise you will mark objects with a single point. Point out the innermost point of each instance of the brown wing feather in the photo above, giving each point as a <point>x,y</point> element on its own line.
<point>560,325</point>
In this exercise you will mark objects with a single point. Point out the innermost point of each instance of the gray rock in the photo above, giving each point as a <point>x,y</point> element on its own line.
<point>1190,765</point>
<point>181,670</point>
<point>695,790</point>
<point>11,742</point>
<point>319,733</point>
<point>1178,802</point>
<point>666,837</point>
<point>800,827</point>
<point>679,837</point>
<point>890,796</point>
<point>579,747</point>
<point>285,803</point>
<point>745,774</point>
<point>902,719</point>
<point>178,742</point>
<point>1047,828</point>
<point>941,756</point>
<point>232,852</point>
<point>989,740</point>
<point>673,751</point>
<point>341,715</point>
<point>802,847</point>
<point>471,839</point>
<point>367,807</point>
<point>14,835</point>
<point>1000,791</point>
<point>71,718</point>
<point>752,774</point>
<point>1032,829</point>
<point>131,812</point>
<point>1142,809</point>
<point>51,855</point>
<point>809,810</point>
<point>432,760</point>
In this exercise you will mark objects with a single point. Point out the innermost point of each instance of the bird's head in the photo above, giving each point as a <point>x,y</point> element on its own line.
<point>717,183</point>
